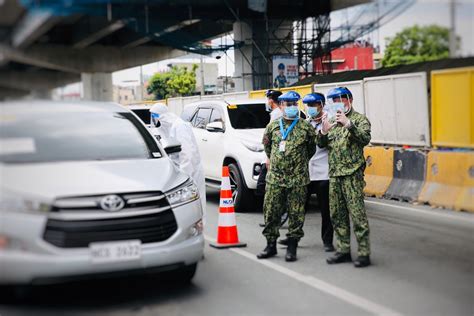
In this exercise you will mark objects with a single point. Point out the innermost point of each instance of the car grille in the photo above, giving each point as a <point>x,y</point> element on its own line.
<point>147,228</point>
<point>133,202</point>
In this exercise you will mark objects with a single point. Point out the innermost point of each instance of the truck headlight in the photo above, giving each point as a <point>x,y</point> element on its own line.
<point>185,193</point>
<point>253,146</point>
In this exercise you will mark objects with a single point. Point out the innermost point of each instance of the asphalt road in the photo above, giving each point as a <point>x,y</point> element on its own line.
<point>423,264</point>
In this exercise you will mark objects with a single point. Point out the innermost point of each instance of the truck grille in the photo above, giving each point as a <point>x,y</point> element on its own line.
<point>147,228</point>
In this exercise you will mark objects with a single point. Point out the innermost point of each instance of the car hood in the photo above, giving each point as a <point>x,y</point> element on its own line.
<point>251,135</point>
<point>48,181</point>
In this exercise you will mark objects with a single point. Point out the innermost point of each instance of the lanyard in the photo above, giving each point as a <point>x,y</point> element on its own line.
<point>285,133</point>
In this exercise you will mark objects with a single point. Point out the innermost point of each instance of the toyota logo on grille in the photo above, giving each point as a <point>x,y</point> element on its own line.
<point>112,203</point>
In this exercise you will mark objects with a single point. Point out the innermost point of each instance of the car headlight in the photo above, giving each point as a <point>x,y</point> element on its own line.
<point>253,146</point>
<point>8,243</point>
<point>186,193</point>
<point>11,202</point>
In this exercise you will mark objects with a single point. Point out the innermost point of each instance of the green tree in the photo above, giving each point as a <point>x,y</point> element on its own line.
<point>416,44</point>
<point>157,85</point>
<point>178,81</point>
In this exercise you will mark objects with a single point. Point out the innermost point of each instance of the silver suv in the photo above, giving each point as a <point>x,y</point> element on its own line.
<point>86,190</point>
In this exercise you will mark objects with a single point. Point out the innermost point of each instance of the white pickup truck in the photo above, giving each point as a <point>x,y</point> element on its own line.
<point>229,133</point>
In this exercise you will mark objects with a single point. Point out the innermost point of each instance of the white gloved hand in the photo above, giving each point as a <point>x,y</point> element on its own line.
<point>342,119</point>
<point>326,125</point>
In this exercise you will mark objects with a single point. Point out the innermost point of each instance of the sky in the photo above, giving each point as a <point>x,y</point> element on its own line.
<point>423,12</point>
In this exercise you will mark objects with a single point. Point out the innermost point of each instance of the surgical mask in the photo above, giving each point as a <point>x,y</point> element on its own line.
<point>313,111</point>
<point>292,112</point>
<point>347,109</point>
<point>268,108</point>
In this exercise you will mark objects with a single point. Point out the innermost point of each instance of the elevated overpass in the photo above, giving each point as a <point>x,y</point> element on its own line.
<point>46,44</point>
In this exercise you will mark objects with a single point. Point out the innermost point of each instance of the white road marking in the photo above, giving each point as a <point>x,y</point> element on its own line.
<point>434,213</point>
<point>318,284</point>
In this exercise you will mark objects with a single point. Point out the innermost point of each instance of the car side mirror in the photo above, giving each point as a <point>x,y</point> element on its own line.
<point>215,127</point>
<point>171,145</point>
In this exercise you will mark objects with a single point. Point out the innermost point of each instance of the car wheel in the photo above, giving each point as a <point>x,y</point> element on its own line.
<point>243,197</point>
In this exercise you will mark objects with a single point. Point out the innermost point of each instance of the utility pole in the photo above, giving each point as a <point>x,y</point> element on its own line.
<point>141,83</point>
<point>202,77</point>
<point>452,30</point>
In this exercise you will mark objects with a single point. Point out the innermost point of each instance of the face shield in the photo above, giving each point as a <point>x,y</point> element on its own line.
<point>345,100</point>
<point>290,109</point>
<point>155,119</point>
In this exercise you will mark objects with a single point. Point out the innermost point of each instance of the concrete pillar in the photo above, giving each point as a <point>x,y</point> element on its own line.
<point>243,57</point>
<point>97,86</point>
<point>253,62</point>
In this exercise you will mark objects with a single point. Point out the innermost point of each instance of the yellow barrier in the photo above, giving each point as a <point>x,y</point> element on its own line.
<point>452,107</point>
<point>379,171</point>
<point>148,102</point>
<point>449,180</point>
<point>257,94</point>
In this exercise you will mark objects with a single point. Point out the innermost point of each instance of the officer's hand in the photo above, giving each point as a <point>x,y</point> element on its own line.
<point>268,163</point>
<point>326,125</point>
<point>342,119</point>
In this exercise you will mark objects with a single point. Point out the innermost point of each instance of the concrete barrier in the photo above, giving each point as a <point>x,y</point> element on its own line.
<point>449,180</point>
<point>408,175</point>
<point>379,171</point>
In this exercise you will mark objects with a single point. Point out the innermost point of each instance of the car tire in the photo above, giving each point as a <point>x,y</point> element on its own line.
<point>244,199</point>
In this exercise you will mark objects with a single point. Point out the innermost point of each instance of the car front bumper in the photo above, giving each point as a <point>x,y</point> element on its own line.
<point>36,261</point>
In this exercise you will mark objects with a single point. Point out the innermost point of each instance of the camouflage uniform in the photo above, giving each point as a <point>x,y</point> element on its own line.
<point>288,177</point>
<point>346,181</point>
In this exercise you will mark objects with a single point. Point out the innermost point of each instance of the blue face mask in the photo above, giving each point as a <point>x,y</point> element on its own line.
<point>313,111</point>
<point>268,108</point>
<point>291,112</point>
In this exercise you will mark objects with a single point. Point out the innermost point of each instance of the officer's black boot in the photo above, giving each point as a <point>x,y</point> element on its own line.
<point>362,261</point>
<point>269,251</point>
<point>291,250</point>
<point>283,242</point>
<point>339,258</point>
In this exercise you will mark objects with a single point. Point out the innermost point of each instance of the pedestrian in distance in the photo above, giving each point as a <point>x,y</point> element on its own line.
<point>318,172</point>
<point>345,137</point>
<point>290,143</point>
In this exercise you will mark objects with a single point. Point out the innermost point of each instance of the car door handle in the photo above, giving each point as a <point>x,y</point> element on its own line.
<point>204,139</point>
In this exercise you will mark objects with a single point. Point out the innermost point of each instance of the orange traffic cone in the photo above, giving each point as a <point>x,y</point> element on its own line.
<point>227,235</point>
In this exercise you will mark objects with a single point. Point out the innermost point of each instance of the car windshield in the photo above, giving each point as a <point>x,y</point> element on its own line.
<point>46,137</point>
<point>248,116</point>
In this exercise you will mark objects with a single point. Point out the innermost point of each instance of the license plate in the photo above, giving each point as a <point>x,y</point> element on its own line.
<point>103,252</point>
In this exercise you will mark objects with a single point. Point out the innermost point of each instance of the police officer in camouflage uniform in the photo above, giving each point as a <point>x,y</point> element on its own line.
<point>345,137</point>
<point>290,142</point>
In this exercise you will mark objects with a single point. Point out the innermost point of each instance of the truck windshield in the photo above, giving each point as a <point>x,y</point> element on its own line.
<point>248,116</point>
